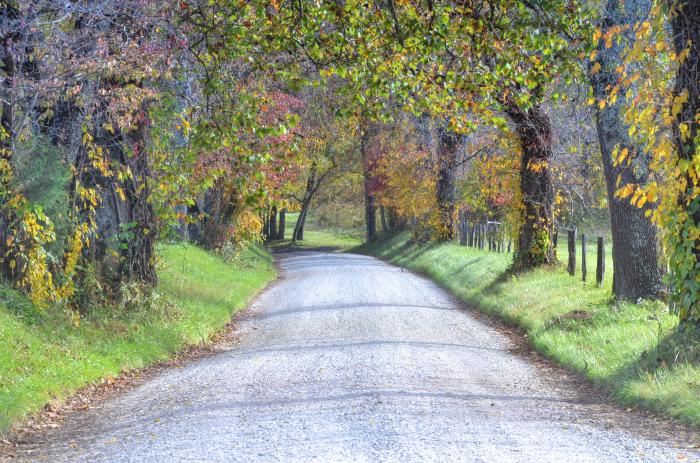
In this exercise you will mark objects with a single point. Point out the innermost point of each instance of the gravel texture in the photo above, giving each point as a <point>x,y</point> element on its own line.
<point>346,358</point>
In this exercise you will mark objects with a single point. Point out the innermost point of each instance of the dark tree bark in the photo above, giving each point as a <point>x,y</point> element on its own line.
<point>282,224</point>
<point>685,22</point>
<point>125,215</point>
<point>272,232</point>
<point>447,160</point>
<point>219,210</point>
<point>194,230</point>
<point>534,130</point>
<point>370,217</point>
<point>635,247</point>
<point>138,256</point>
<point>370,206</point>
<point>301,223</point>
<point>312,184</point>
<point>394,221</point>
<point>11,36</point>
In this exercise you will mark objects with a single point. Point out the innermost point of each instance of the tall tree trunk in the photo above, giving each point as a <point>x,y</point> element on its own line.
<point>298,234</point>
<point>535,132</point>
<point>138,256</point>
<point>370,206</point>
<point>302,223</point>
<point>635,247</point>
<point>272,233</point>
<point>312,184</point>
<point>370,217</point>
<point>219,209</point>
<point>447,160</point>
<point>10,69</point>
<point>125,215</point>
<point>282,224</point>
<point>685,22</point>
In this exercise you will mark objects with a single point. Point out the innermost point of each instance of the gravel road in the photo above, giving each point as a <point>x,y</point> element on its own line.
<point>347,358</point>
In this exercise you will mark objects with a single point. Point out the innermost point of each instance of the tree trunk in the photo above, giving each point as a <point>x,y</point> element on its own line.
<point>282,224</point>
<point>125,217</point>
<point>272,233</point>
<point>393,220</point>
<point>535,132</point>
<point>219,209</point>
<point>382,215</point>
<point>370,207</point>
<point>685,22</point>
<point>370,217</point>
<point>301,222</point>
<point>635,247</point>
<point>7,135</point>
<point>138,256</point>
<point>447,159</point>
<point>312,185</point>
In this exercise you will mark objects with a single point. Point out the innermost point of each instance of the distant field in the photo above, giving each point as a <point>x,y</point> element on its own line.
<point>316,236</point>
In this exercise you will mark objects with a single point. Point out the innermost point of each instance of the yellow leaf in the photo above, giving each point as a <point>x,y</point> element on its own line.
<point>595,69</point>
<point>597,34</point>
<point>623,154</point>
<point>641,201</point>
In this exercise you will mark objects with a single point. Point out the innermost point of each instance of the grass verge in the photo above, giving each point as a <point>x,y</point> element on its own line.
<point>633,350</point>
<point>45,356</point>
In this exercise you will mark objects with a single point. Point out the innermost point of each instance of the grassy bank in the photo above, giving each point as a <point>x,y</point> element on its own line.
<point>44,356</point>
<point>631,349</point>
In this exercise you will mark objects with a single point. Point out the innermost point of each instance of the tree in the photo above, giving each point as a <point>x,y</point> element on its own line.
<point>685,23</point>
<point>635,247</point>
<point>448,144</point>
<point>419,53</point>
<point>368,131</point>
<point>536,186</point>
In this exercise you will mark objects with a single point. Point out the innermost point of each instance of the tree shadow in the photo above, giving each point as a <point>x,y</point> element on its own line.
<point>496,286</point>
<point>677,347</point>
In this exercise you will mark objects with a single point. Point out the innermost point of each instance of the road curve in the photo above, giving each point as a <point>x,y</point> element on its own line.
<point>346,358</point>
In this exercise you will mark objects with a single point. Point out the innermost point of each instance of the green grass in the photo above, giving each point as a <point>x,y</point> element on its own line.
<point>44,357</point>
<point>633,350</point>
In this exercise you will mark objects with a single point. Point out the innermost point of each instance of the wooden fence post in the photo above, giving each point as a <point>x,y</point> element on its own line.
<point>572,252</point>
<point>600,267</point>
<point>584,242</point>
